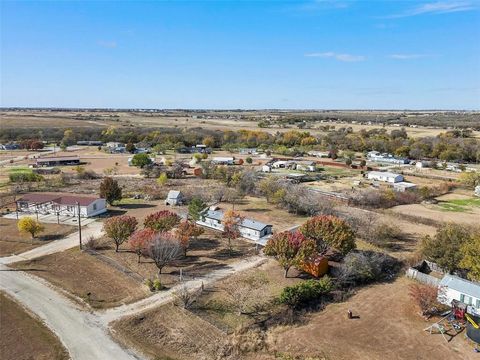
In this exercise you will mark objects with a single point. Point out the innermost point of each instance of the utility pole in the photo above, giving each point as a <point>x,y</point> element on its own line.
<point>79,226</point>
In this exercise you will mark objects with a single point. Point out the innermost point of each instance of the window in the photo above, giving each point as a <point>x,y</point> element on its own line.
<point>94,206</point>
<point>478,303</point>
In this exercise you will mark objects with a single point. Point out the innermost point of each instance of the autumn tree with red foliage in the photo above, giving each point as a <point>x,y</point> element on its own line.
<point>425,297</point>
<point>290,249</point>
<point>231,222</point>
<point>161,221</point>
<point>140,240</point>
<point>185,231</point>
<point>31,144</point>
<point>331,231</point>
<point>119,228</point>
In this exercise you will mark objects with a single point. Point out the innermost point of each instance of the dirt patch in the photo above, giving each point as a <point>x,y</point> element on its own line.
<point>81,274</point>
<point>13,241</point>
<point>387,328</point>
<point>22,336</point>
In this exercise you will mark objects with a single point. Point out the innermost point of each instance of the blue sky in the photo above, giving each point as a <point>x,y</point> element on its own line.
<point>238,54</point>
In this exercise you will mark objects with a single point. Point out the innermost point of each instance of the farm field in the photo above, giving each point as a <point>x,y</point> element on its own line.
<point>12,241</point>
<point>23,336</point>
<point>183,119</point>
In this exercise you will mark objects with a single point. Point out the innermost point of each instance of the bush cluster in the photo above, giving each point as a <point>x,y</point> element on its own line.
<point>306,292</point>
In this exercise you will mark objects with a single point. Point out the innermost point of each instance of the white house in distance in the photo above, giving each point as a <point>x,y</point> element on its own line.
<point>452,287</point>
<point>385,176</point>
<point>249,229</point>
<point>223,160</point>
<point>67,204</point>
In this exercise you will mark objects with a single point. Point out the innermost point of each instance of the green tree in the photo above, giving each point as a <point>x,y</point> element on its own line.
<point>141,160</point>
<point>330,230</point>
<point>110,191</point>
<point>470,179</point>
<point>195,208</point>
<point>470,251</point>
<point>445,247</point>
<point>249,160</point>
<point>162,179</point>
<point>68,137</point>
<point>30,225</point>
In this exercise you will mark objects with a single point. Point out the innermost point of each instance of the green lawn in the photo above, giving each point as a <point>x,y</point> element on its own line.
<point>460,205</point>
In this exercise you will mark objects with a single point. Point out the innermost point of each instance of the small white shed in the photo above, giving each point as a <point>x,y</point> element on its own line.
<point>174,197</point>
<point>385,176</point>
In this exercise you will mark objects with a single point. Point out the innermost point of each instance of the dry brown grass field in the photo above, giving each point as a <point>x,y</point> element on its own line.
<point>225,120</point>
<point>23,336</point>
<point>12,241</point>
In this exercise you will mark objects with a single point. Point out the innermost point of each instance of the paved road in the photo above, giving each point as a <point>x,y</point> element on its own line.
<point>83,335</point>
<point>93,229</point>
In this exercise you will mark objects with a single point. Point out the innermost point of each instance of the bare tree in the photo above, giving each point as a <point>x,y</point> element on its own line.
<point>163,249</point>
<point>185,296</point>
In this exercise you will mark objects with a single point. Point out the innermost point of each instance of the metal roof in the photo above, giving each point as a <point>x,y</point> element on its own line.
<point>173,194</point>
<point>463,286</point>
<point>248,223</point>
<point>384,173</point>
<point>58,199</point>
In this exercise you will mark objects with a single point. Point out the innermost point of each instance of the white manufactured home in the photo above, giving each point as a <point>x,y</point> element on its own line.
<point>385,176</point>
<point>452,287</point>
<point>249,229</point>
<point>67,205</point>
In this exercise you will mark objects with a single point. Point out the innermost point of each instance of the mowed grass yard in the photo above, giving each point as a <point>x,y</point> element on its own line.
<point>22,336</point>
<point>12,241</point>
<point>460,205</point>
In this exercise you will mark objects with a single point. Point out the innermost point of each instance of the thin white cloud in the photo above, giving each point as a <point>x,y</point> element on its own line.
<point>319,5</point>
<point>407,56</point>
<point>339,57</point>
<point>107,44</point>
<point>439,7</point>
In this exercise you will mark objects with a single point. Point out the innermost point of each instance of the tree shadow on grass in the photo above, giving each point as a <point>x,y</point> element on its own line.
<point>136,206</point>
<point>225,253</point>
<point>204,244</point>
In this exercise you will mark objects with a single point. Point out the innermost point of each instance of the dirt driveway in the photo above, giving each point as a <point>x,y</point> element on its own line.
<point>388,328</point>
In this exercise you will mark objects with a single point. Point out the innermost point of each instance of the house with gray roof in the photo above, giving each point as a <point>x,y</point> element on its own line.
<point>174,197</point>
<point>452,287</point>
<point>249,228</point>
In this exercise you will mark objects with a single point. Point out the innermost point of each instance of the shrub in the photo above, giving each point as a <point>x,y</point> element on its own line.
<point>305,292</point>
<point>425,297</point>
<point>24,176</point>
<point>110,191</point>
<point>367,266</point>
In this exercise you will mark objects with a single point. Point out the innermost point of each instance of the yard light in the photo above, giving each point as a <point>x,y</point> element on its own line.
<point>79,226</point>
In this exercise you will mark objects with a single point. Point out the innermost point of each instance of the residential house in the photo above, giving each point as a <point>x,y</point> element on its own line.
<point>452,287</point>
<point>174,197</point>
<point>403,186</point>
<point>249,229</point>
<point>67,204</point>
<point>320,154</point>
<point>384,176</point>
<point>248,151</point>
<point>386,158</point>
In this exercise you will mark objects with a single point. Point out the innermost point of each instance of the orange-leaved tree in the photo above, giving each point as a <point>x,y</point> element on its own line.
<point>290,249</point>
<point>331,231</point>
<point>231,222</point>
<point>185,231</point>
<point>140,240</point>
